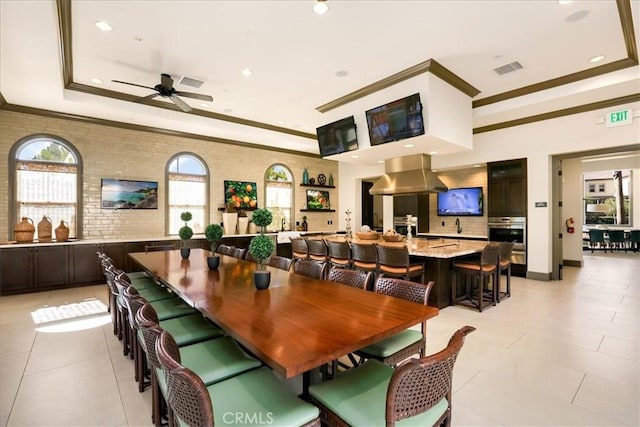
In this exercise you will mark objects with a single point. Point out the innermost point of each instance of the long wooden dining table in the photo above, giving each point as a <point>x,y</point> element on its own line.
<point>296,325</point>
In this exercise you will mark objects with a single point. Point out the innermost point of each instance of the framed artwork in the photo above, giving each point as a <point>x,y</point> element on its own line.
<point>318,200</point>
<point>127,194</point>
<point>241,195</point>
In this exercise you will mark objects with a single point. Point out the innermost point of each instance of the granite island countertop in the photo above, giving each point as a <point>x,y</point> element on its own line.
<point>430,248</point>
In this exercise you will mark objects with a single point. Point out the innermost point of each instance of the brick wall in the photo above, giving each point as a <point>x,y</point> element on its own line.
<point>109,152</point>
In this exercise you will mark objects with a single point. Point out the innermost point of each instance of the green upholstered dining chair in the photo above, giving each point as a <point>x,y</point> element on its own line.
<point>213,358</point>
<point>313,269</point>
<point>280,262</point>
<point>417,393</point>
<point>399,347</point>
<point>354,278</point>
<point>616,240</point>
<point>257,396</point>
<point>596,239</point>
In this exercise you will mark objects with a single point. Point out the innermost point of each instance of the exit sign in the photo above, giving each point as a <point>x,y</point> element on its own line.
<point>618,118</point>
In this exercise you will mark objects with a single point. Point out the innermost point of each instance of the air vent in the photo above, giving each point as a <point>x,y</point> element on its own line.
<point>509,68</point>
<point>188,81</point>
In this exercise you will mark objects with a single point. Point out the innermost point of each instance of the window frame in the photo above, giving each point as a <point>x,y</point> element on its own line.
<point>13,179</point>
<point>292,222</point>
<point>207,195</point>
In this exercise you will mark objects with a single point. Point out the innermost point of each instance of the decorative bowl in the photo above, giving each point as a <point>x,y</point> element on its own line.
<point>370,235</point>
<point>393,237</point>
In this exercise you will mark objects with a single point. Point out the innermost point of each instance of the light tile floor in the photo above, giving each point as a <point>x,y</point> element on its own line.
<point>555,353</point>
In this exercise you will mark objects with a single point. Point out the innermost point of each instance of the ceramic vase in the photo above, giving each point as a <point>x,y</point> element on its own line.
<point>243,224</point>
<point>230,222</point>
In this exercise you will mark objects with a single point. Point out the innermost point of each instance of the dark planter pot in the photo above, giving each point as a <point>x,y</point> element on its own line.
<point>213,262</point>
<point>261,279</point>
<point>185,252</point>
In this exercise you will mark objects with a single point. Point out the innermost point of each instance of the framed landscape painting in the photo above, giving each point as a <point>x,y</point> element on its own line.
<point>318,200</point>
<point>126,194</point>
<point>241,195</point>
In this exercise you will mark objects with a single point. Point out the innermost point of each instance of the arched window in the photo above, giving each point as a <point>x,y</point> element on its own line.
<point>46,181</point>
<point>279,196</point>
<point>187,178</point>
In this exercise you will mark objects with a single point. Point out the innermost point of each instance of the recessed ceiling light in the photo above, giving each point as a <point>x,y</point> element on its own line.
<point>433,152</point>
<point>355,157</point>
<point>563,2</point>
<point>104,26</point>
<point>476,166</point>
<point>408,145</point>
<point>380,161</point>
<point>96,81</point>
<point>320,7</point>
<point>596,59</point>
<point>246,72</point>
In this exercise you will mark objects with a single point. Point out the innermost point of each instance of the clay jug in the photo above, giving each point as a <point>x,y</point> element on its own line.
<point>62,232</point>
<point>24,230</point>
<point>44,229</point>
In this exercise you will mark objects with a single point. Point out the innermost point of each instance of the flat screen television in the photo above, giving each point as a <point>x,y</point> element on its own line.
<point>460,202</point>
<point>337,137</point>
<point>396,120</point>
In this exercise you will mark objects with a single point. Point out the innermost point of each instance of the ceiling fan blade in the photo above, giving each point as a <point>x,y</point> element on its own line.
<point>148,97</point>
<point>166,81</point>
<point>195,96</point>
<point>132,84</point>
<point>180,103</point>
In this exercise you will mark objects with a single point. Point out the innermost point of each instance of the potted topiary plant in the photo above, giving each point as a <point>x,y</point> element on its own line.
<point>185,234</point>
<point>261,248</point>
<point>213,233</point>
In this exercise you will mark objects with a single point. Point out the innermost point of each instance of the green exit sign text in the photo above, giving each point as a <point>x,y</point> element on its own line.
<point>618,118</point>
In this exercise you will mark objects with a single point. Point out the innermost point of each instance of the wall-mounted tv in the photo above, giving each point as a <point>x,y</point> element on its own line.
<point>460,202</point>
<point>396,120</point>
<point>337,137</point>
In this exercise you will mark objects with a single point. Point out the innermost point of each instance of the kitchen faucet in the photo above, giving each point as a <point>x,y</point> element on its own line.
<point>458,226</point>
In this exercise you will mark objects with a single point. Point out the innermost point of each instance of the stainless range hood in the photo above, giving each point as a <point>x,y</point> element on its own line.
<point>408,175</point>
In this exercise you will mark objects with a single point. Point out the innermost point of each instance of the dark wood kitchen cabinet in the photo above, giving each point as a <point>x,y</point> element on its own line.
<point>16,270</point>
<point>50,266</point>
<point>85,267</point>
<point>507,188</point>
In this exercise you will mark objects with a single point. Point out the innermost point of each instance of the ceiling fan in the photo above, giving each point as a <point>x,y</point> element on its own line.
<point>166,89</point>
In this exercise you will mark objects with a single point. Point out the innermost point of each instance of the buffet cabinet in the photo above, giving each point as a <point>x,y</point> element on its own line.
<point>40,267</point>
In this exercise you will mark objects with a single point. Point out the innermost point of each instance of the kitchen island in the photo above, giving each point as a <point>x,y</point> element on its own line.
<point>437,255</point>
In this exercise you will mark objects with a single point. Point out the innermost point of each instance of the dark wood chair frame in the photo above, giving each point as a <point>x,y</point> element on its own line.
<point>394,261</point>
<point>317,250</point>
<point>313,269</point>
<point>283,263</point>
<point>415,387</point>
<point>477,295</point>
<point>504,264</point>
<point>299,249</point>
<point>339,254</point>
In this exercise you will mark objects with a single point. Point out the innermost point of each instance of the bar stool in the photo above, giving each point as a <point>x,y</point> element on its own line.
<point>364,256</point>
<point>394,261</point>
<point>317,250</point>
<point>480,272</point>
<point>504,263</point>
<point>339,254</point>
<point>299,249</point>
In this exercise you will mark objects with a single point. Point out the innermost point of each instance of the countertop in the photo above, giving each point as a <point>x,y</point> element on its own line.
<point>430,248</point>
<point>452,236</point>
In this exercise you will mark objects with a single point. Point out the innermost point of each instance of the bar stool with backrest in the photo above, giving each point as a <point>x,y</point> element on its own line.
<point>364,256</point>
<point>374,394</point>
<point>257,393</point>
<point>395,349</point>
<point>317,250</point>
<point>478,294</point>
<point>504,264</point>
<point>394,261</point>
<point>213,360</point>
<point>313,269</point>
<point>339,254</point>
<point>299,249</point>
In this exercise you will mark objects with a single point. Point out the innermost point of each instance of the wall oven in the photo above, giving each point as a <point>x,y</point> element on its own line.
<point>510,229</point>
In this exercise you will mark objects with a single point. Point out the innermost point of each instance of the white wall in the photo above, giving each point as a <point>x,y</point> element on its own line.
<point>572,206</point>
<point>537,142</point>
